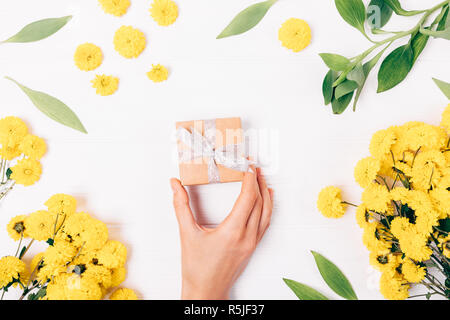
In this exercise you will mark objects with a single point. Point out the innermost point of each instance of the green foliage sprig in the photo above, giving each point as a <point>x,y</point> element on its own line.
<point>347,76</point>
<point>333,277</point>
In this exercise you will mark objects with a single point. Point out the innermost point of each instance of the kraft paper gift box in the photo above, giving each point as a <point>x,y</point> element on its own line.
<point>211,151</point>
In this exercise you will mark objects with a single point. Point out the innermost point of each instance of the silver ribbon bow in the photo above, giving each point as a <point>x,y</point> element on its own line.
<point>200,146</point>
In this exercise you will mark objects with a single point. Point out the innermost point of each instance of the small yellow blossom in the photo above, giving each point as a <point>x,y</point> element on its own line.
<point>88,57</point>
<point>26,172</point>
<point>118,276</point>
<point>376,197</point>
<point>40,225</point>
<point>295,34</point>
<point>61,204</point>
<point>381,143</point>
<point>16,227</point>
<point>412,272</point>
<point>330,203</point>
<point>123,294</point>
<point>366,171</point>
<point>164,12</point>
<point>393,286</point>
<point>158,73</point>
<point>105,85</point>
<point>33,147</point>
<point>112,255</point>
<point>12,131</point>
<point>10,269</point>
<point>129,42</point>
<point>115,7</point>
<point>9,152</point>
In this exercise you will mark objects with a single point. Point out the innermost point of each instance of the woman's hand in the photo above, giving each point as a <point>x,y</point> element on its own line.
<point>213,259</point>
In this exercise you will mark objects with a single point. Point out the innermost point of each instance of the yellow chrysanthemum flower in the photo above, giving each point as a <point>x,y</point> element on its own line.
<point>376,197</point>
<point>99,274</point>
<point>441,199</point>
<point>88,57</point>
<point>445,122</point>
<point>105,85</point>
<point>381,143</point>
<point>87,231</point>
<point>12,131</point>
<point>164,12</point>
<point>330,203</point>
<point>384,260</point>
<point>10,269</point>
<point>123,294</point>
<point>40,225</point>
<point>425,136</point>
<point>115,7</point>
<point>372,240</point>
<point>295,34</point>
<point>36,262</point>
<point>81,288</point>
<point>26,172</point>
<point>17,227</point>
<point>118,276</point>
<point>363,216</point>
<point>412,272</point>
<point>158,73</point>
<point>33,147</point>
<point>112,255</point>
<point>129,42</point>
<point>9,152</point>
<point>61,204</point>
<point>366,171</point>
<point>393,286</point>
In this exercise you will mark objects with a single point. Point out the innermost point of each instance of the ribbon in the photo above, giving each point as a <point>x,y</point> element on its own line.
<point>199,146</point>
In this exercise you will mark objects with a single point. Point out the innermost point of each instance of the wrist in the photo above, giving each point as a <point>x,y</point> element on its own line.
<point>190,292</point>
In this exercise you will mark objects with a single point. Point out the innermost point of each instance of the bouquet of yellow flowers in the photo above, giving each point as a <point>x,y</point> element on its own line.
<point>20,153</point>
<point>405,210</point>
<point>80,262</point>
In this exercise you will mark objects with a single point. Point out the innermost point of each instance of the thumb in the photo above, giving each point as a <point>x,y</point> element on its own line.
<point>181,205</point>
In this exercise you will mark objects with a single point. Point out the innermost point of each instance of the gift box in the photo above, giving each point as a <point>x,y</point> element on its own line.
<point>211,151</point>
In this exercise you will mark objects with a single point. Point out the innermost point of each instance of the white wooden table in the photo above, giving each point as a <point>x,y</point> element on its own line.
<point>119,172</point>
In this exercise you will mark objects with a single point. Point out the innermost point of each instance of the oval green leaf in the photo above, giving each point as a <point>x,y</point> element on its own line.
<point>395,68</point>
<point>378,14</point>
<point>327,86</point>
<point>339,105</point>
<point>334,277</point>
<point>304,292</point>
<point>246,19</point>
<point>444,21</point>
<point>353,12</point>
<point>39,30</point>
<point>345,88</point>
<point>335,62</point>
<point>418,43</point>
<point>444,86</point>
<point>52,108</point>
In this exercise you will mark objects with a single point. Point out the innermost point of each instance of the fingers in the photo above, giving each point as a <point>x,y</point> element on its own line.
<point>246,201</point>
<point>181,205</point>
<point>267,207</point>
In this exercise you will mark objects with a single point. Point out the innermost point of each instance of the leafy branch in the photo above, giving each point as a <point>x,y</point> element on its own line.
<point>347,76</point>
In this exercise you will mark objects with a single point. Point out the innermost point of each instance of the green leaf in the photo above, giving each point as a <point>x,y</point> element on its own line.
<point>357,75</point>
<point>327,86</point>
<point>444,225</point>
<point>22,252</point>
<point>334,277</point>
<point>378,14</point>
<point>395,68</point>
<point>444,34</point>
<point>247,19</point>
<point>418,43</point>
<point>335,62</point>
<point>8,173</point>
<point>39,30</point>
<point>345,88</point>
<point>50,241</point>
<point>444,86</point>
<point>304,292</point>
<point>339,105</point>
<point>52,108</point>
<point>38,295</point>
<point>397,7</point>
<point>444,22</point>
<point>353,12</point>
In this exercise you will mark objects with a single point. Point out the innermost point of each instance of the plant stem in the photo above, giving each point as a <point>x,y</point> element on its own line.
<point>20,243</point>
